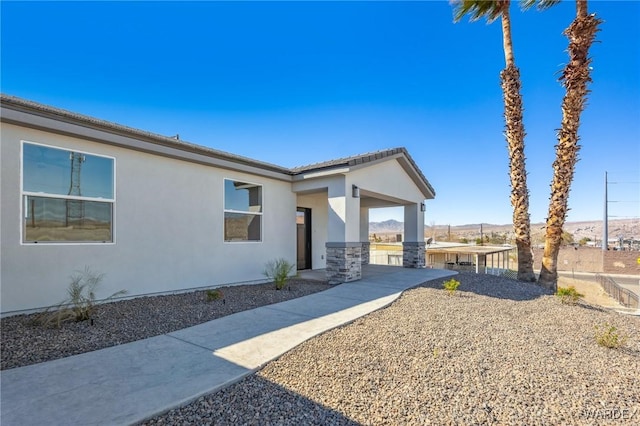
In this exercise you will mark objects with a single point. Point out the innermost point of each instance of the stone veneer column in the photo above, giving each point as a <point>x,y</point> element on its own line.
<point>366,249</point>
<point>344,262</point>
<point>413,254</point>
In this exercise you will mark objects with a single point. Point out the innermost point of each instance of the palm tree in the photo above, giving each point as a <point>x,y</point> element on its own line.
<point>575,77</point>
<point>514,126</point>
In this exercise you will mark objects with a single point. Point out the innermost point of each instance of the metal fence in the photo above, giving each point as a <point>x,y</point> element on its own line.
<point>625,297</point>
<point>507,273</point>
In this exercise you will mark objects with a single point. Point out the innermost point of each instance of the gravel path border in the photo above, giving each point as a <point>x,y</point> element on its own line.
<point>124,321</point>
<point>499,352</point>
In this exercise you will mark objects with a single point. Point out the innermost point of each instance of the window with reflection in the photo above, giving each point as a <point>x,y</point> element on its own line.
<point>242,211</point>
<point>68,196</point>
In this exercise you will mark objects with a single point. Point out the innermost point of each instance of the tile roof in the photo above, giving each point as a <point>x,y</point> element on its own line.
<point>20,104</point>
<point>23,104</point>
<point>350,161</point>
<point>362,159</point>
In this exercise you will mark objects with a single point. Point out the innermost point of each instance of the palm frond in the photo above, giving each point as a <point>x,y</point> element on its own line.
<point>539,4</point>
<point>477,9</point>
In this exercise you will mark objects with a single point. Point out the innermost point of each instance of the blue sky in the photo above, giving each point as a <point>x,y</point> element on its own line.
<point>293,83</point>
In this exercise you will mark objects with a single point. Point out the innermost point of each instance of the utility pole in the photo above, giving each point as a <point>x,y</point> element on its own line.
<point>75,208</point>
<point>605,224</point>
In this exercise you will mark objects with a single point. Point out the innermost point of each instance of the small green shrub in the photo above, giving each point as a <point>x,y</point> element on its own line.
<point>278,271</point>
<point>80,303</point>
<point>451,286</point>
<point>214,295</point>
<point>569,295</point>
<point>608,336</point>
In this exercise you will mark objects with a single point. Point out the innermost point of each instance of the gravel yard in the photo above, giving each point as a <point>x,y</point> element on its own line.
<point>128,320</point>
<point>498,352</point>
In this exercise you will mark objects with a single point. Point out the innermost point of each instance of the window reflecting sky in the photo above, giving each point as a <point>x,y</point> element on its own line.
<point>48,170</point>
<point>240,196</point>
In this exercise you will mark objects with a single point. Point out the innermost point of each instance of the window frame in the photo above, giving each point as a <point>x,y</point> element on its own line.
<point>225,210</point>
<point>25,194</point>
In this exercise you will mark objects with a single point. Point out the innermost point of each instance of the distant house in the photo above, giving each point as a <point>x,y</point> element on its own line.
<point>156,214</point>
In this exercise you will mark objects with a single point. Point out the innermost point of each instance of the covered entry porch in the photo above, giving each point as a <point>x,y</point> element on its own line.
<point>333,204</point>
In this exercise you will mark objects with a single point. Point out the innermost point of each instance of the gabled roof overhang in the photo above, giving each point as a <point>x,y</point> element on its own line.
<point>14,110</point>
<point>345,165</point>
<point>41,117</point>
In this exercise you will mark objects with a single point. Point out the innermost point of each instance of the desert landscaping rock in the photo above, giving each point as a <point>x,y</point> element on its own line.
<point>497,352</point>
<point>124,321</point>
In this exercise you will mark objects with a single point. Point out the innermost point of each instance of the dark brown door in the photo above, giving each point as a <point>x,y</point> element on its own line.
<point>303,226</point>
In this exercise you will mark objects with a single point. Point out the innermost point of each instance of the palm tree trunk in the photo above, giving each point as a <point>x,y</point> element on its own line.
<point>575,77</point>
<point>510,78</point>
<point>507,41</point>
<point>514,132</point>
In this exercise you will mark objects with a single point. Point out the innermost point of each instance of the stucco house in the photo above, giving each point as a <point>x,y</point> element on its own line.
<point>157,214</point>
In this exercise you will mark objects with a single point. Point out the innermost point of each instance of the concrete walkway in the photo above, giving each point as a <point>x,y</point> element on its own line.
<point>132,382</point>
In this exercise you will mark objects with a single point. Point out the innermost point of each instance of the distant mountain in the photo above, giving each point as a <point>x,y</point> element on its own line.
<point>388,226</point>
<point>585,229</point>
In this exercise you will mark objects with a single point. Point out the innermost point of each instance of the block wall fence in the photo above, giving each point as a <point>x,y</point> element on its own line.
<point>593,259</point>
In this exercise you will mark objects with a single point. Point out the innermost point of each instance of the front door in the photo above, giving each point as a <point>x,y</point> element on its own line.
<point>303,226</point>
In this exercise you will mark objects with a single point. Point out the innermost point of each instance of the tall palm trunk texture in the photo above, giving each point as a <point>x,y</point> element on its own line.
<point>514,133</point>
<point>575,77</point>
<point>514,127</point>
<point>510,79</point>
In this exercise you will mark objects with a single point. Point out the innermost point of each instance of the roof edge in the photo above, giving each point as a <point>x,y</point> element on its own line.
<point>23,105</point>
<point>370,157</point>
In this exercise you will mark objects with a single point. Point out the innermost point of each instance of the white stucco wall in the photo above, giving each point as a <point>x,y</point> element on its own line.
<point>168,227</point>
<point>388,178</point>
<point>344,212</point>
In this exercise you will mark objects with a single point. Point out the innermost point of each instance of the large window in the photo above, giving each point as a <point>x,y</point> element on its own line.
<point>68,196</point>
<point>242,211</point>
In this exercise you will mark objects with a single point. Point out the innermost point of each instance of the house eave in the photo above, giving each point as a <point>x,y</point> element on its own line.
<point>368,160</point>
<point>14,110</point>
<point>39,117</point>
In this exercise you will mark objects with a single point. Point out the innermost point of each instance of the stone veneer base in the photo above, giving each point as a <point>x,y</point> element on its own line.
<point>413,254</point>
<point>344,262</point>
<point>366,249</point>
